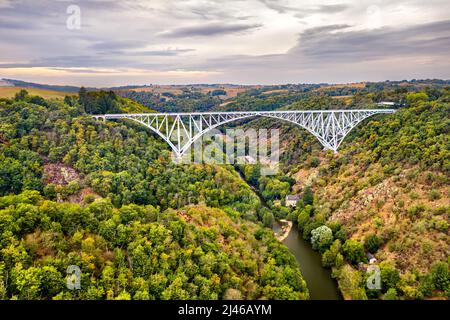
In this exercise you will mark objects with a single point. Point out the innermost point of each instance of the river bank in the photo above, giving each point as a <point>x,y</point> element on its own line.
<point>320,284</point>
<point>284,229</point>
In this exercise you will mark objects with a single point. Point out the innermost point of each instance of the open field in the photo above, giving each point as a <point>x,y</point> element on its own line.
<point>232,91</point>
<point>358,85</point>
<point>276,91</point>
<point>9,92</point>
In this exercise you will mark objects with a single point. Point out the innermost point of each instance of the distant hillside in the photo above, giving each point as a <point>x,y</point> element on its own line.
<point>20,83</point>
<point>4,83</point>
<point>10,92</point>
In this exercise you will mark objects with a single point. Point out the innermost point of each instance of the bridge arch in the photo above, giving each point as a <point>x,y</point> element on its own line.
<point>166,139</point>
<point>330,127</point>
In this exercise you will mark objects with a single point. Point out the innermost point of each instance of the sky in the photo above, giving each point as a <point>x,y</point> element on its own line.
<point>109,43</point>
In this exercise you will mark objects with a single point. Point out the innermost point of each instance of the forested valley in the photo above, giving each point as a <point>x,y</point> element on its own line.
<point>106,196</point>
<point>384,196</point>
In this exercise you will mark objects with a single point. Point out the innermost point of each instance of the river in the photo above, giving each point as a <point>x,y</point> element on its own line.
<point>321,285</point>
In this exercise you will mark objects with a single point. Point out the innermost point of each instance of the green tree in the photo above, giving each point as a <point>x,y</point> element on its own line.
<point>268,219</point>
<point>390,277</point>
<point>50,191</point>
<point>83,100</point>
<point>415,97</point>
<point>354,251</point>
<point>372,243</point>
<point>11,178</point>
<point>321,238</point>
<point>426,286</point>
<point>330,256</point>
<point>350,282</point>
<point>302,220</point>
<point>52,281</point>
<point>391,294</point>
<point>441,276</point>
<point>21,95</point>
<point>308,196</point>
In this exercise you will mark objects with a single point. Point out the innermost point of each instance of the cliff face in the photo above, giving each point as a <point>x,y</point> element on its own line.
<point>406,211</point>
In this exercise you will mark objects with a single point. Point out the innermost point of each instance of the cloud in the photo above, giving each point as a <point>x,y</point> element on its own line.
<point>15,24</point>
<point>318,32</point>
<point>278,7</point>
<point>154,53</point>
<point>160,53</point>
<point>250,41</point>
<point>331,8</point>
<point>84,70</point>
<point>73,61</point>
<point>303,11</point>
<point>133,48</point>
<point>334,53</point>
<point>117,44</point>
<point>336,44</point>
<point>211,29</point>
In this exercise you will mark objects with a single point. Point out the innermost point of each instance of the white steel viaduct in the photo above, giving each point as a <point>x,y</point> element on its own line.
<point>181,130</point>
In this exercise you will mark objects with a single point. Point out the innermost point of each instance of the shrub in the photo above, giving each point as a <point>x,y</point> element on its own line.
<point>372,243</point>
<point>434,195</point>
<point>314,163</point>
<point>89,198</point>
<point>391,294</point>
<point>441,276</point>
<point>441,225</point>
<point>426,286</point>
<point>415,211</point>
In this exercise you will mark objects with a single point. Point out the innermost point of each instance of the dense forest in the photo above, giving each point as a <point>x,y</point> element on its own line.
<point>106,196</point>
<point>187,101</point>
<point>139,252</point>
<point>385,194</point>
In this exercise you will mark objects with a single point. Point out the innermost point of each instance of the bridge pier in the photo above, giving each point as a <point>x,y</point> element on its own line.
<point>100,118</point>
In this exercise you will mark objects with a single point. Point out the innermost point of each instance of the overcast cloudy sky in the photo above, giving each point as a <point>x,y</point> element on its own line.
<point>223,41</point>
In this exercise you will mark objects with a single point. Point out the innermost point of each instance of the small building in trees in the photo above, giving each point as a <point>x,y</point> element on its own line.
<point>371,258</point>
<point>291,200</point>
<point>386,103</point>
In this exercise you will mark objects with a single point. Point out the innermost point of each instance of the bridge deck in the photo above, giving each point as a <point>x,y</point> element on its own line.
<point>181,129</point>
<point>124,115</point>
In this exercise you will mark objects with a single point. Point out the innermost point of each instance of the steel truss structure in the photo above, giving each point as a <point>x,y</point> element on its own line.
<point>181,130</point>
